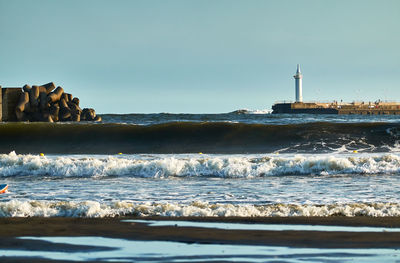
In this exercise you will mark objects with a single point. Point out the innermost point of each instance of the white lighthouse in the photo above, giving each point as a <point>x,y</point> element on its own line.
<point>298,82</point>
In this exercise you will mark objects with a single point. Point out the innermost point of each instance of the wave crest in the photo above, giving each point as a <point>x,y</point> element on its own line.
<point>198,209</point>
<point>161,166</point>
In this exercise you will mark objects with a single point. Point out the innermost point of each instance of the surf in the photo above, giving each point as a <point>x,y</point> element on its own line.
<point>197,165</point>
<point>95,209</point>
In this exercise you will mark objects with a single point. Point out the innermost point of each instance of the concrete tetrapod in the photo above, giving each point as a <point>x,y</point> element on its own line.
<point>23,105</point>
<point>55,95</point>
<point>50,104</point>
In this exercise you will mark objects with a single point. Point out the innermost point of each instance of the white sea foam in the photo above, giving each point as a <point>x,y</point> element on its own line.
<point>264,111</point>
<point>200,209</point>
<point>161,166</point>
<point>247,111</point>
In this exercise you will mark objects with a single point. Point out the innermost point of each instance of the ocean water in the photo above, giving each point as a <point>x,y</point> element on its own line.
<point>244,163</point>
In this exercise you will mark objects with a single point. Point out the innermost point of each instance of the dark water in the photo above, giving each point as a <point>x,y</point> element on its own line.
<point>207,133</point>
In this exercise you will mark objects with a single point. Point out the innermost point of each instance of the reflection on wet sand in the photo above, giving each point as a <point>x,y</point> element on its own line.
<point>267,227</point>
<point>128,250</point>
<point>208,239</point>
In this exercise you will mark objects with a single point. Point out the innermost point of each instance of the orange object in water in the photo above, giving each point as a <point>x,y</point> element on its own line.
<point>3,188</point>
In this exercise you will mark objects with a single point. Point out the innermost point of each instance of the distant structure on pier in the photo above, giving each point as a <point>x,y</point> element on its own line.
<point>364,108</point>
<point>298,83</point>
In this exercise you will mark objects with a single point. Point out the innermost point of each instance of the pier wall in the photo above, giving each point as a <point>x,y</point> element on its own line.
<point>379,108</point>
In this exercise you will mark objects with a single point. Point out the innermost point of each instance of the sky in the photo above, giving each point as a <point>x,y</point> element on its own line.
<point>204,56</point>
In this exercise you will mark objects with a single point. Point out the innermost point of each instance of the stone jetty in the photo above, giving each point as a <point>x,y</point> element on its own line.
<point>45,103</point>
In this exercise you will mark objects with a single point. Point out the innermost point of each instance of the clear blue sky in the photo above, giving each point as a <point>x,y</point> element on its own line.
<point>202,56</point>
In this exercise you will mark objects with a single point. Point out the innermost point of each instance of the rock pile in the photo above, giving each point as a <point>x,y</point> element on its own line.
<point>50,104</point>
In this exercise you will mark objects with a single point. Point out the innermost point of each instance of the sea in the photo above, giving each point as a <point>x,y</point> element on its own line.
<point>246,163</point>
<point>243,163</point>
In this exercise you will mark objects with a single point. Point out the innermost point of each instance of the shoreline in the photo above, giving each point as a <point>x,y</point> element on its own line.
<point>10,228</point>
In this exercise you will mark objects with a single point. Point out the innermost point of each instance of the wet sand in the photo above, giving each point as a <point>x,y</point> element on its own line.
<point>114,228</point>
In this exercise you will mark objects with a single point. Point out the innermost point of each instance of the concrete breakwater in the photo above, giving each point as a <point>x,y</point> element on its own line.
<point>360,108</point>
<point>44,103</point>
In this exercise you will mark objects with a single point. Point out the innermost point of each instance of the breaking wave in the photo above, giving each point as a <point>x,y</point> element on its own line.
<point>199,165</point>
<point>198,209</point>
<point>194,137</point>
